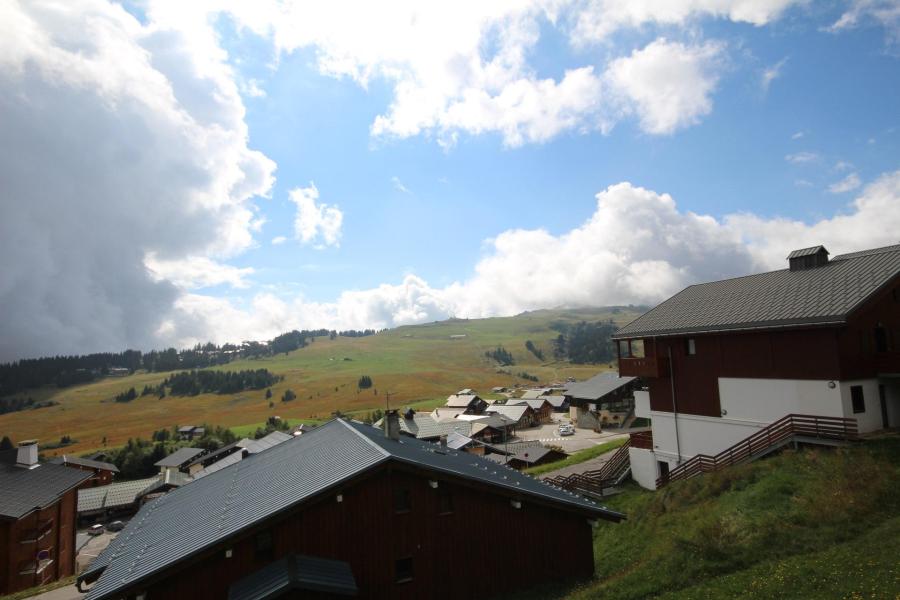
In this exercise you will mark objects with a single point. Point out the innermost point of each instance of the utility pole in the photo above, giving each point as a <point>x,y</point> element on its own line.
<point>387,400</point>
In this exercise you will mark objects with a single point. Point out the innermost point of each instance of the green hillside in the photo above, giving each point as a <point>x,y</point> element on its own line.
<point>817,524</point>
<point>418,364</point>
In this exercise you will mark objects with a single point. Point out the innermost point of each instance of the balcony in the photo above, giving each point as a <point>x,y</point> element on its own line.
<point>656,366</point>
<point>642,439</point>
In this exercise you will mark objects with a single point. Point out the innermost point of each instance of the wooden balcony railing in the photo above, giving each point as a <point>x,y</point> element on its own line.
<point>790,427</point>
<point>642,439</point>
<point>652,366</point>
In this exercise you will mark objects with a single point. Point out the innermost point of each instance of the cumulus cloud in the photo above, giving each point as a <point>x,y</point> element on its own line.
<point>636,247</point>
<point>119,141</point>
<point>668,84</point>
<point>194,272</point>
<point>847,184</point>
<point>316,223</point>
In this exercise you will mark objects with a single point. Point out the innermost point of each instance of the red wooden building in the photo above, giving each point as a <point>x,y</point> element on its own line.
<point>724,359</point>
<point>37,519</point>
<point>383,517</point>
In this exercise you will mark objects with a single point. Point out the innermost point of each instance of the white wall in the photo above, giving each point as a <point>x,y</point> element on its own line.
<point>643,467</point>
<point>892,393</point>
<point>870,420</point>
<point>767,400</point>
<point>696,434</point>
<point>642,404</point>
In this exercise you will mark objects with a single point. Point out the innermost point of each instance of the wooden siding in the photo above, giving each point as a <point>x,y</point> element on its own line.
<point>451,558</point>
<point>59,538</point>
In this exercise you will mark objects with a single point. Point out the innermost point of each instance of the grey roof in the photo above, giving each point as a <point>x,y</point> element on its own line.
<point>295,572</point>
<point>218,507</point>
<point>423,426</point>
<point>535,403</point>
<point>533,454</point>
<point>166,481</point>
<point>24,490</point>
<point>807,252</point>
<point>455,441</point>
<point>555,401</point>
<point>114,495</point>
<point>84,462</point>
<point>179,457</point>
<point>220,464</point>
<point>827,294</point>
<point>597,386</point>
<point>265,442</point>
<point>514,412</point>
<point>461,400</point>
<point>221,452</point>
<point>534,393</point>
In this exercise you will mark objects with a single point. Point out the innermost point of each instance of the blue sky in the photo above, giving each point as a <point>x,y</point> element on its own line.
<point>415,161</point>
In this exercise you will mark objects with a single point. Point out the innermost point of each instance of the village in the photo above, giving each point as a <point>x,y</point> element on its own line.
<point>807,358</point>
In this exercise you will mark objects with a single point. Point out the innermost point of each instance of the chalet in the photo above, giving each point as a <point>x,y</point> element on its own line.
<point>178,460</point>
<point>532,456</point>
<point>116,499</point>
<point>102,473</point>
<point>722,360</point>
<point>521,414</point>
<point>37,519</point>
<point>541,407</point>
<point>191,432</point>
<point>240,531</point>
<point>535,393</point>
<point>424,426</point>
<point>470,404</point>
<point>603,392</point>
<point>559,403</point>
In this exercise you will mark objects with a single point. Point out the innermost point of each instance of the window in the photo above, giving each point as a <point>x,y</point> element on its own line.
<point>445,501</point>
<point>637,348</point>
<point>624,349</point>
<point>402,502</point>
<point>690,347</point>
<point>859,401</point>
<point>403,570</point>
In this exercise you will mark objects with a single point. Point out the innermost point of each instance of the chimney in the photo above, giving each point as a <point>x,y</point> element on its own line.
<point>27,456</point>
<point>392,425</point>
<point>808,258</point>
<point>444,443</point>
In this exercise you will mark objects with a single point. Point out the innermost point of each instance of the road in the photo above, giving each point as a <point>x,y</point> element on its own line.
<point>548,435</point>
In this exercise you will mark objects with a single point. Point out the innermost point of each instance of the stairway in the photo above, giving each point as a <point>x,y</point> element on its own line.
<point>598,482</point>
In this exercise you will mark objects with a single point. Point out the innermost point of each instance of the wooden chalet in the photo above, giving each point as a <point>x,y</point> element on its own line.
<point>348,509</point>
<point>37,519</point>
<point>724,361</point>
<point>470,404</point>
<point>102,473</point>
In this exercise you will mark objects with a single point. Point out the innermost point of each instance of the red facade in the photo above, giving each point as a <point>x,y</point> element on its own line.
<point>868,345</point>
<point>444,531</point>
<point>39,547</point>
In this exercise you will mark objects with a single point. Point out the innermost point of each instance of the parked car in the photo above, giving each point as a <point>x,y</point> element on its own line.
<point>115,526</point>
<point>566,430</point>
<point>95,529</point>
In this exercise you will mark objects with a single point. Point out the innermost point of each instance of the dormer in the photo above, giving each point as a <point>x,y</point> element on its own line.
<point>808,258</point>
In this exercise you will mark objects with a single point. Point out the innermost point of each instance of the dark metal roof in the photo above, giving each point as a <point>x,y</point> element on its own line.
<point>597,386</point>
<point>296,572</point>
<point>807,252</point>
<point>24,490</point>
<point>264,443</point>
<point>84,462</point>
<point>211,456</point>
<point>824,295</point>
<point>179,457</point>
<point>222,504</point>
<point>114,495</point>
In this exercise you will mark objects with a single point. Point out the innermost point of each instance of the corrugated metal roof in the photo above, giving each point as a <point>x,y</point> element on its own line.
<point>264,443</point>
<point>179,457</point>
<point>597,386</point>
<point>219,465</point>
<point>807,252</point>
<point>24,490</point>
<point>820,295</point>
<point>296,572</point>
<point>555,401</point>
<point>219,506</point>
<point>84,462</point>
<point>513,412</point>
<point>461,400</point>
<point>535,403</point>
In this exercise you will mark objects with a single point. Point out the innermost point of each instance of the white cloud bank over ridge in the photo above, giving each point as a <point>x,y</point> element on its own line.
<point>636,248</point>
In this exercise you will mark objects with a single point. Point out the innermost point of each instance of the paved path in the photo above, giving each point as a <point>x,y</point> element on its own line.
<point>69,592</point>
<point>588,465</point>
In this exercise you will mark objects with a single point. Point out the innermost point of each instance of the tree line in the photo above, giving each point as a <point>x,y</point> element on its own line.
<point>501,355</point>
<point>584,342</point>
<point>192,383</point>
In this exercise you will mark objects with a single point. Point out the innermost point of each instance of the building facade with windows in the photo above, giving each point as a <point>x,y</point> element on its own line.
<point>350,510</point>
<point>722,360</point>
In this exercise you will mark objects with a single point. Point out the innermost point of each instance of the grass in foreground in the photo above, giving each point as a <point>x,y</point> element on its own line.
<point>818,523</point>
<point>40,589</point>
<point>576,458</point>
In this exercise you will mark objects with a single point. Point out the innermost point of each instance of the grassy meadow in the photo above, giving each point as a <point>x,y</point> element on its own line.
<point>419,364</point>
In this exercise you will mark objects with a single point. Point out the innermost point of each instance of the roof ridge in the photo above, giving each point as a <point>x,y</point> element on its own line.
<point>381,450</point>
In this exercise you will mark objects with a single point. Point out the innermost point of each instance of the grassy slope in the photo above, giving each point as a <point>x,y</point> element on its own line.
<point>420,364</point>
<point>576,458</point>
<point>809,524</point>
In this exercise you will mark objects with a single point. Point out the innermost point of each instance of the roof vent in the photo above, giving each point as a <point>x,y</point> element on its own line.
<point>27,456</point>
<point>392,425</point>
<point>808,258</point>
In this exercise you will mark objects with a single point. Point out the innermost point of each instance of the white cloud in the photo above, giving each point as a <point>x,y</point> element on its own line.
<point>770,74</point>
<point>252,88</point>
<point>883,12</point>
<point>667,83</point>
<point>278,240</point>
<point>636,247</point>
<point>120,140</point>
<point>847,184</point>
<point>316,223</point>
<point>398,185</point>
<point>194,272</point>
<point>798,135</point>
<point>842,165</point>
<point>798,158</point>
<point>600,18</point>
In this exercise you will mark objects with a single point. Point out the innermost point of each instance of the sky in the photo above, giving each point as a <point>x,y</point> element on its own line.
<point>174,173</point>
